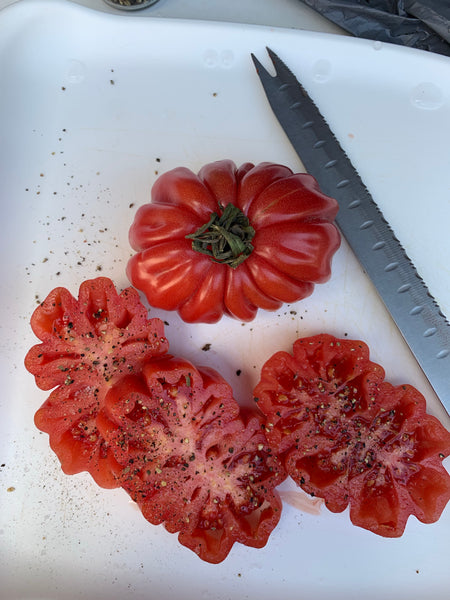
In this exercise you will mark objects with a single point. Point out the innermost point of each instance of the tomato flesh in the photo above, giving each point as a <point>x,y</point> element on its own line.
<point>168,433</point>
<point>192,460</point>
<point>87,345</point>
<point>346,435</point>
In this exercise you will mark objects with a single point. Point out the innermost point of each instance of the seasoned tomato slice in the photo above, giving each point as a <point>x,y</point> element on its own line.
<point>346,435</point>
<point>87,345</point>
<point>191,459</point>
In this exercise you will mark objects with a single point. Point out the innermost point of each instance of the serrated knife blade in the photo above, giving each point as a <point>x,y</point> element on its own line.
<point>404,293</point>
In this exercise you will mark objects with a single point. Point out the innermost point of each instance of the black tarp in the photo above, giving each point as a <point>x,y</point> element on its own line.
<point>423,24</point>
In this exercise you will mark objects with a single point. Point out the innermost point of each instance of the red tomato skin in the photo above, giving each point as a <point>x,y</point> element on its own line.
<point>191,459</point>
<point>346,435</point>
<point>301,251</point>
<point>294,243</point>
<point>257,179</point>
<point>76,335</point>
<point>69,416</point>
<point>242,297</point>
<point>88,344</point>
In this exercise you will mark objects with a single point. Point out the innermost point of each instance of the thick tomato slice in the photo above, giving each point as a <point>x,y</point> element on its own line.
<point>191,459</point>
<point>87,345</point>
<point>232,240</point>
<point>346,435</point>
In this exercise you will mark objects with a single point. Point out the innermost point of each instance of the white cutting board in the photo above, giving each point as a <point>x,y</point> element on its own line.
<point>92,108</point>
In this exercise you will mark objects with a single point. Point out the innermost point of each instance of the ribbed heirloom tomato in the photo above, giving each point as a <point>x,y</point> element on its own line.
<point>87,345</point>
<point>191,459</point>
<point>131,415</point>
<point>231,240</point>
<point>346,435</point>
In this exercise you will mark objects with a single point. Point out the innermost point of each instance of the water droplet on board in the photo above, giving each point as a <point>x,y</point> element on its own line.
<point>213,58</point>
<point>427,96</point>
<point>227,58</point>
<point>76,71</point>
<point>210,58</point>
<point>322,70</point>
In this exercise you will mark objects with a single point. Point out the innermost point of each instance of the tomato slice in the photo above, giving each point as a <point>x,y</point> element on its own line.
<point>346,435</point>
<point>191,459</point>
<point>69,416</point>
<point>87,345</point>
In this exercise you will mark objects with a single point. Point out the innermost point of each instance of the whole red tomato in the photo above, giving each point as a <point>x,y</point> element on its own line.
<point>231,240</point>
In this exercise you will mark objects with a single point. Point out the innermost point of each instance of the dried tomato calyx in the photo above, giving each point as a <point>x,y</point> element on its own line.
<point>225,238</point>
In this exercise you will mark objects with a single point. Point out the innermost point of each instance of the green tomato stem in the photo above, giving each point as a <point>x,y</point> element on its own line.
<point>225,238</point>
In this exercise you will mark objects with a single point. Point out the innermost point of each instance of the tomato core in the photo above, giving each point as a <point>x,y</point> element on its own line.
<point>225,238</point>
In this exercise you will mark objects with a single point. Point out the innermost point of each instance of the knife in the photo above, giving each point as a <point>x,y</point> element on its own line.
<point>405,295</point>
